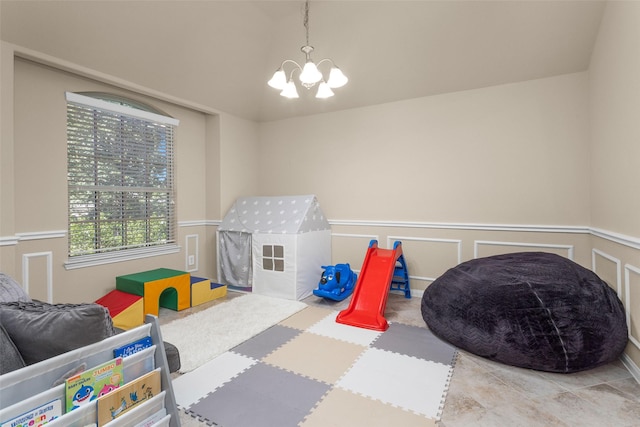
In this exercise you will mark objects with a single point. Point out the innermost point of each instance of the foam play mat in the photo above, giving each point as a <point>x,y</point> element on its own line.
<point>309,370</point>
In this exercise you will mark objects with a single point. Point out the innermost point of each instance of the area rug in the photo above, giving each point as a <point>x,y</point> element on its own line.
<point>310,371</point>
<point>202,336</point>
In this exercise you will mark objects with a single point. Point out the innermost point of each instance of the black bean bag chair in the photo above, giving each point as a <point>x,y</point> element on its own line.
<point>532,309</point>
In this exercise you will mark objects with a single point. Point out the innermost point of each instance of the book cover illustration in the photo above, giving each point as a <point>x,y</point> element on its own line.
<point>84,388</point>
<point>37,416</point>
<point>128,396</point>
<point>132,348</point>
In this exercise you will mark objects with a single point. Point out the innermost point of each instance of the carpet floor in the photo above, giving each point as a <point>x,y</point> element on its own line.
<point>310,371</point>
<point>192,335</point>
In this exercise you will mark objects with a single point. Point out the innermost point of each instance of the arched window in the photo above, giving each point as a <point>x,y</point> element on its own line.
<point>120,174</point>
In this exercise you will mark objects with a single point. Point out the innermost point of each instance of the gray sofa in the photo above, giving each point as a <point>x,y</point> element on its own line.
<point>32,331</point>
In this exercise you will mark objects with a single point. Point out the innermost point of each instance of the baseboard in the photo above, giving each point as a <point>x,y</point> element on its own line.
<point>631,366</point>
<point>417,293</point>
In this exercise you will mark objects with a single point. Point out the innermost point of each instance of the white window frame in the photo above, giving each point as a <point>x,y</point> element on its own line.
<point>117,254</point>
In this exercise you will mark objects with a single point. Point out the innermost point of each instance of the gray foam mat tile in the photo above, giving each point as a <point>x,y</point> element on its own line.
<point>416,342</point>
<point>266,342</point>
<point>262,396</point>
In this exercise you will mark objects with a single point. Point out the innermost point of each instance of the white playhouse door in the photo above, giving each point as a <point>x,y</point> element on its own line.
<point>313,251</point>
<point>274,265</point>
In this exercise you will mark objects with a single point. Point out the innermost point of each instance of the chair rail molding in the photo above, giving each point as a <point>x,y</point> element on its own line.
<point>465,226</point>
<point>623,239</point>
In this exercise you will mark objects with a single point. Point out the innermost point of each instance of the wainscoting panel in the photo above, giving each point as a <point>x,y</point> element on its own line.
<point>608,268</point>
<point>426,257</point>
<point>37,275</point>
<point>351,249</point>
<point>632,302</point>
<point>484,248</point>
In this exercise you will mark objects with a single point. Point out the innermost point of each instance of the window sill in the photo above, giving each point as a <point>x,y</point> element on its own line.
<point>120,256</point>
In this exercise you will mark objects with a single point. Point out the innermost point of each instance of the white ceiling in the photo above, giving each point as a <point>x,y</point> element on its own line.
<point>221,53</point>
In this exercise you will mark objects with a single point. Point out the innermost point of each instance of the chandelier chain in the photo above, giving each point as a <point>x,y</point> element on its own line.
<point>306,19</point>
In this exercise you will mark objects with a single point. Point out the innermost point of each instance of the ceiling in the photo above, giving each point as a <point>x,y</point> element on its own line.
<point>220,54</point>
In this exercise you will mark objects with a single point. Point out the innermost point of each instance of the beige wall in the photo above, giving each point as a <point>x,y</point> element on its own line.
<point>34,193</point>
<point>614,90</point>
<point>615,127</point>
<point>6,149</point>
<point>506,154</point>
<point>212,168</point>
<point>453,176</point>
<point>239,165</point>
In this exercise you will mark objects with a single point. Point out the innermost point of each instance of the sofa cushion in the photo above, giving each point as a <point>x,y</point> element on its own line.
<point>10,358</point>
<point>10,290</point>
<point>40,330</point>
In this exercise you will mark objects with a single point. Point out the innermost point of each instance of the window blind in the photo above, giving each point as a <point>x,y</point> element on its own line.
<point>120,174</point>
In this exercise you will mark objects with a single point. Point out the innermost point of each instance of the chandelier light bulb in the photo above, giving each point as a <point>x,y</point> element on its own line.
<point>289,90</point>
<point>337,78</point>
<point>279,80</point>
<point>324,91</point>
<point>310,74</point>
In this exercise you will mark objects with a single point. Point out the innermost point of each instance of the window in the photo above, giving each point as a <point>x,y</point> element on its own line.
<point>120,173</point>
<point>273,257</point>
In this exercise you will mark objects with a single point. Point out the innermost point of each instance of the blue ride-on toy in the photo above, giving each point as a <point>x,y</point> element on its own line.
<point>337,282</point>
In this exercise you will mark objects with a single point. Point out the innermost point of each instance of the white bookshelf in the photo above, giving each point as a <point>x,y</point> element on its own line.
<point>43,382</point>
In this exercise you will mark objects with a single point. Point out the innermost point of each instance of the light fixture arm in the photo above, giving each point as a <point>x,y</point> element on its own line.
<point>326,60</point>
<point>299,67</point>
<point>289,61</point>
<point>293,70</point>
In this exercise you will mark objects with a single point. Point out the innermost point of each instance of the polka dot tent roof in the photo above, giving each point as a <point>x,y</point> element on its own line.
<point>275,214</point>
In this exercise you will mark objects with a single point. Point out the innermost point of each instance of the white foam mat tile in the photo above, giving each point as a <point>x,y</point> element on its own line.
<point>402,381</point>
<point>328,327</point>
<point>194,385</point>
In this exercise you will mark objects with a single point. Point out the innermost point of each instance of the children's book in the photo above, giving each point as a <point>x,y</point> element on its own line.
<point>134,347</point>
<point>37,416</point>
<point>126,397</point>
<point>86,387</point>
<point>153,419</point>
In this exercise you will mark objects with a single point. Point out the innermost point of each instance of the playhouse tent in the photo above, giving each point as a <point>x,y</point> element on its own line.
<point>274,246</point>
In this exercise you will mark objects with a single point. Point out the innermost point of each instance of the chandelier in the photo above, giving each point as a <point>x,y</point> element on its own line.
<point>310,74</point>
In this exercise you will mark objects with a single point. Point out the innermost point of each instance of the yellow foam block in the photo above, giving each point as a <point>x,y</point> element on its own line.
<point>171,292</point>
<point>131,316</point>
<point>202,290</point>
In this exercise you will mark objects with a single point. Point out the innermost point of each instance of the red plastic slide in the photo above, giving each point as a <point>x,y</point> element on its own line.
<point>366,309</point>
